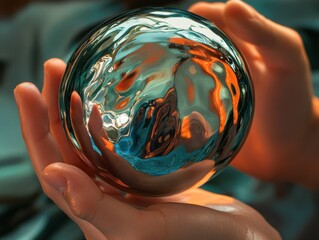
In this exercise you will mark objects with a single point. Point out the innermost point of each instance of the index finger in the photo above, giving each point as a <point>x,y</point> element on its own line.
<point>35,127</point>
<point>53,73</point>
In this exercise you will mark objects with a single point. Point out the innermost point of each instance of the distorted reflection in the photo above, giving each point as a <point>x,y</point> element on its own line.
<point>156,101</point>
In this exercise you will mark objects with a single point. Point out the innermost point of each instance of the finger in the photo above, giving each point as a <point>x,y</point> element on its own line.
<point>40,143</point>
<point>81,133</point>
<point>210,11</point>
<point>36,131</point>
<point>111,216</point>
<point>53,72</point>
<point>269,37</point>
<point>215,13</point>
<point>35,127</point>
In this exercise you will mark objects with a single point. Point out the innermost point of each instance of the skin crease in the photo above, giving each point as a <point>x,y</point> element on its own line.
<point>281,76</point>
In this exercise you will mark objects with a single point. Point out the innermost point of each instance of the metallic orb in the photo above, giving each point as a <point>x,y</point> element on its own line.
<point>156,101</point>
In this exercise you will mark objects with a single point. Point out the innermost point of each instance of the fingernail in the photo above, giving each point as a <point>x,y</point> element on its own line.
<point>55,180</point>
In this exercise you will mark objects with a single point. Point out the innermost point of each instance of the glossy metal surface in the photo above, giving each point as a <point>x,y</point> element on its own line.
<point>156,101</point>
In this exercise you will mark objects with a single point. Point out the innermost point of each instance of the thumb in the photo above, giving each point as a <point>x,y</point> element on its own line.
<point>112,217</point>
<point>78,189</point>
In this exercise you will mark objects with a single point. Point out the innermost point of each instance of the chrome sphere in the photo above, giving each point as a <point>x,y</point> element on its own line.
<point>156,101</point>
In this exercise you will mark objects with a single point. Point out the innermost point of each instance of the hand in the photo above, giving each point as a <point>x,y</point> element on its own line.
<point>101,211</point>
<point>282,143</point>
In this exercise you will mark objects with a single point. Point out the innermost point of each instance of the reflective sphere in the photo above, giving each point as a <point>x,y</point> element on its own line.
<point>156,101</point>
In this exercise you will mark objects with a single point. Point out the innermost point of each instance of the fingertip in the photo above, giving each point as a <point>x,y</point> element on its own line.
<point>26,91</point>
<point>75,97</point>
<point>25,86</point>
<point>16,93</point>
<point>54,62</point>
<point>53,69</point>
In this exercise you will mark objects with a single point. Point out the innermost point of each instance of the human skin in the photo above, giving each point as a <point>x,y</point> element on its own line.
<point>101,211</point>
<point>282,144</point>
<point>104,213</point>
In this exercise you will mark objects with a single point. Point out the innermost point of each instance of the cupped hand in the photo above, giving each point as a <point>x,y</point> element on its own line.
<point>282,142</point>
<point>101,211</point>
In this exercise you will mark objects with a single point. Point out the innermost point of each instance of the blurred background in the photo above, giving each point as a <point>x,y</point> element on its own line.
<point>34,31</point>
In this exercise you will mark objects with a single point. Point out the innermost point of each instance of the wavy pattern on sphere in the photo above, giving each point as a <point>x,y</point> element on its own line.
<point>156,100</point>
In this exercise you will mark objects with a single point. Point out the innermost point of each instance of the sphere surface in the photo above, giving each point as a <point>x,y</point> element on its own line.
<point>156,101</point>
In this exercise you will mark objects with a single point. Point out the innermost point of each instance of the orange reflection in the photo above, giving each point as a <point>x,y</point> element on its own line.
<point>122,104</point>
<point>108,145</point>
<point>214,99</point>
<point>231,80</point>
<point>211,56</point>
<point>185,128</point>
<point>190,90</point>
<point>126,82</point>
